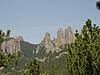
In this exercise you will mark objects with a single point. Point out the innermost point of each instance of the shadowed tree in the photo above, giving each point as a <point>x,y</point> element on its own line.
<point>4,35</point>
<point>3,57</point>
<point>8,33</point>
<point>33,67</point>
<point>98,5</point>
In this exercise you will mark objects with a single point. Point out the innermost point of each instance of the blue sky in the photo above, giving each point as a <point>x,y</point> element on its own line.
<point>32,18</point>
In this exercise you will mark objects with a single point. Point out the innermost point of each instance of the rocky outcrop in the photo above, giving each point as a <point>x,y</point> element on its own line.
<point>46,43</point>
<point>69,37</point>
<point>20,38</point>
<point>57,57</point>
<point>58,43</point>
<point>12,45</point>
<point>60,40</point>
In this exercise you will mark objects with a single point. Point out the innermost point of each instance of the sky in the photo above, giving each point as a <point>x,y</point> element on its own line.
<point>32,18</point>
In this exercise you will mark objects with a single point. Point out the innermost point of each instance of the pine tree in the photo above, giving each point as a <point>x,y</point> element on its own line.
<point>33,67</point>
<point>3,58</point>
<point>84,53</point>
<point>98,5</point>
<point>8,33</point>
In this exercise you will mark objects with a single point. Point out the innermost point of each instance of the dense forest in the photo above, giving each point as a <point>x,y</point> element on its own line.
<point>83,57</point>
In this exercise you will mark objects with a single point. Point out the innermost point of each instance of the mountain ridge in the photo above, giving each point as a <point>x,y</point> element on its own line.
<point>47,45</point>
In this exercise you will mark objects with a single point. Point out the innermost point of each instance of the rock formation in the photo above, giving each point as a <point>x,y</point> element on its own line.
<point>69,37</point>
<point>60,40</point>
<point>46,43</point>
<point>58,43</point>
<point>11,45</point>
<point>20,38</point>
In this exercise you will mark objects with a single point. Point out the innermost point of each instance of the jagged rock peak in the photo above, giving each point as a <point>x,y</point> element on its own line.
<point>68,29</point>
<point>20,38</point>
<point>59,43</point>
<point>46,43</point>
<point>69,36</point>
<point>47,36</point>
<point>60,40</point>
<point>60,33</point>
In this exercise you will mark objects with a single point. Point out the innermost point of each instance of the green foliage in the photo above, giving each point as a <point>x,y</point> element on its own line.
<point>28,48</point>
<point>33,67</point>
<point>8,33</point>
<point>13,64</point>
<point>84,53</point>
<point>4,35</point>
<point>3,59</point>
<point>7,61</point>
<point>54,66</point>
<point>98,5</point>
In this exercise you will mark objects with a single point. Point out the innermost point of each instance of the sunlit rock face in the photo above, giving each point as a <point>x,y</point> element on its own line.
<point>60,40</point>
<point>12,45</point>
<point>19,38</point>
<point>46,43</point>
<point>69,37</point>
<point>63,38</point>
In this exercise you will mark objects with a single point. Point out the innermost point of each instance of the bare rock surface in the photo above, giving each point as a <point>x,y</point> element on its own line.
<point>69,37</point>
<point>19,38</point>
<point>12,45</point>
<point>63,38</point>
<point>46,43</point>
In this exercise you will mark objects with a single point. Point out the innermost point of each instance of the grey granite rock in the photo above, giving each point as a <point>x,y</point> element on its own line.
<point>69,36</point>
<point>11,45</point>
<point>58,43</point>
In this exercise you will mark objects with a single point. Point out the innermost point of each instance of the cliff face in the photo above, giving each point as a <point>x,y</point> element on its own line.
<point>69,37</point>
<point>47,43</point>
<point>58,43</point>
<point>60,40</point>
<point>12,45</point>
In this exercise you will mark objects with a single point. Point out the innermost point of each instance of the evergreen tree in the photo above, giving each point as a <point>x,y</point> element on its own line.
<point>2,35</point>
<point>8,33</point>
<point>98,5</point>
<point>84,53</point>
<point>33,67</point>
<point>3,57</point>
